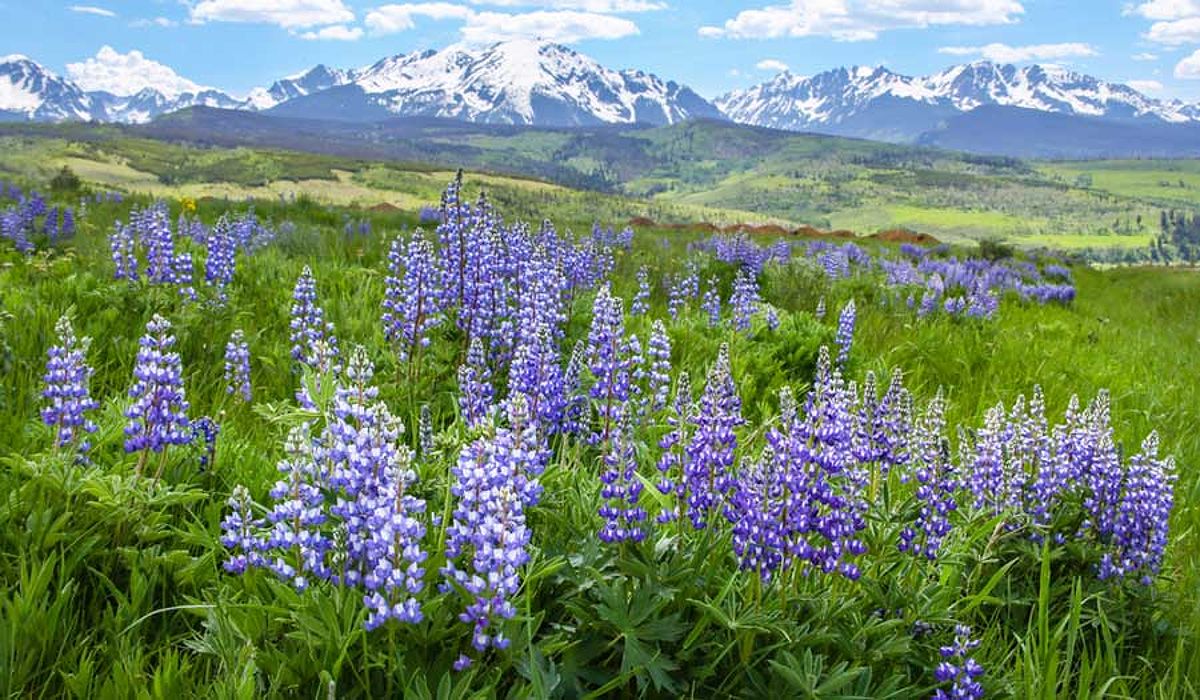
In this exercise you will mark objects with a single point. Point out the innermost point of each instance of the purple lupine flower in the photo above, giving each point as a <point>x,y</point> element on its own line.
<point>158,415</point>
<point>154,228</point>
<point>771,317</point>
<point>121,243</point>
<point>293,545</point>
<point>50,224</point>
<point>675,298</point>
<point>744,301</point>
<point>308,325</point>
<point>12,227</point>
<point>641,300</point>
<point>68,223</point>
<point>425,436</point>
<point>575,410</point>
<point>239,533</point>
<point>475,392</point>
<point>220,261</point>
<point>845,332</point>
<point>393,553</point>
<point>934,475</point>
<point>1140,528</point>
<point>623,518</point>
<point>959,669</point>
<point>205,432</point>
<point>672,463</point>
<point>410,307</point>
<point>712,303</point>
<point>658,367</point>
<point>823,481</point>
<point>537,374</point>
<point>820,312</point>
<point>66,392</point>
<point>610,364</point>
<point>182,276</point>
<point>486,541</point>
<point>237,366</point>
<point>986,466</point>
<point>756,510</point>
<point>710,453</point>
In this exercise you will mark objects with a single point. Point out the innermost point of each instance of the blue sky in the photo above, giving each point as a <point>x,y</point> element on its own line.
<point>711,45</point>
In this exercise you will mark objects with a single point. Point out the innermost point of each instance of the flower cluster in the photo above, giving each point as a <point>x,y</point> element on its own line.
<point>158,415</point>
<point>66,392</point>
<point>411,305</point>
<point>343,511</point>
<point>237,366</point>
<point>845,331</point>
<point>487,540</point>
<point>959,669</point>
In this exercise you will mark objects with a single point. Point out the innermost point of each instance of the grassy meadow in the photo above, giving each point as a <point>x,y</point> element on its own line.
<point>113,583</point>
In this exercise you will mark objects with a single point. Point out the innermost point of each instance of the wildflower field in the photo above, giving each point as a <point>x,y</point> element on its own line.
<point>277,448</point>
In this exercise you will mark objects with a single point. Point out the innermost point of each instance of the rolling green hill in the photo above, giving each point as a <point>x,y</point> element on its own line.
<point>700,170</point>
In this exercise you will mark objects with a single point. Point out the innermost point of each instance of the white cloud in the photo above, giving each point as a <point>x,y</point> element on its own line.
<point>771,64</point>
<point>1003,53</point>
<point>859,20</point>
<point>337,32</point>
<point>1189,67</point>
<point>92,10</point>
<point>390,19</point>
<point>566,27</point>
<point>1145,56</point>
<point>289,14</point>
<point>599,6</point>
<point>155,22</point>
<point>1175,33</point>
<point>1167,9</point>
<point>1145,85</point>
<point>128,73</point>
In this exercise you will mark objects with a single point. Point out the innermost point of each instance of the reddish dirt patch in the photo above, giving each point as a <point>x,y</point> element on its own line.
<point>384,207</point>
<point>901,235</point>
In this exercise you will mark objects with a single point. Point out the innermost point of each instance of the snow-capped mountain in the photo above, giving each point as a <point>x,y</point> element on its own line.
<point>316,79</point>
<point>511,82</point>
<point>29,91</point>
<point>878,103</point>
<point>149,103</point>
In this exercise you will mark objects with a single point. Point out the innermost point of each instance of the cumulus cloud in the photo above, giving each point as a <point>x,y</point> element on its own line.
<point>566,26</point>
<point>289,14</point>
<point>92,10</point>
<point>1175,33</point>
<point>390,19</point>
<point>128,73</point>
<point>1145,56</point>
<point>771,64</point>
<point>1003,53</point>
<point>1166,9</point>
<point>337,32</point>
<point>860,20</point>
<point>1145,85</point>
<point>1189,67</point>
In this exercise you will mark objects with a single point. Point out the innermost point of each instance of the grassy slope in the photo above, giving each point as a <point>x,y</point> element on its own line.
<point>1132,331</point>
<point>702,170</point>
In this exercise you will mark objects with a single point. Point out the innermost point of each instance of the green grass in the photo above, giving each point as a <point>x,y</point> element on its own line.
<point>698,170</point>
<point>112,586</point>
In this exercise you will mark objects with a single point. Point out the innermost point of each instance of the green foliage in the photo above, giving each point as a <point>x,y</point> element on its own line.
<point>112,586</point>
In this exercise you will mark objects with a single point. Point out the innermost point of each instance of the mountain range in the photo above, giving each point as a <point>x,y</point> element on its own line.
<point>1033,111</point>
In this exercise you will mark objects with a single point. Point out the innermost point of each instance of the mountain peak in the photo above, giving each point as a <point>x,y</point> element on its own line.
<point>875,102</point>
